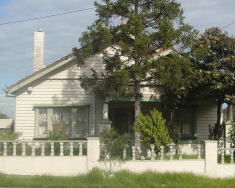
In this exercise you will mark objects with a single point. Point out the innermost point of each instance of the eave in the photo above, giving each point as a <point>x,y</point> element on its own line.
<point>29,79</point>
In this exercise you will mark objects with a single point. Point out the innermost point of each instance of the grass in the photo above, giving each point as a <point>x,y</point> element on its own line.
<point>226,158</point>
<point>97,178</point>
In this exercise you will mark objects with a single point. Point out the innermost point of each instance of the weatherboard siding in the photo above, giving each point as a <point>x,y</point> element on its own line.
<point>59,87</point>
<point>62,87</point>
<point>206,115</point>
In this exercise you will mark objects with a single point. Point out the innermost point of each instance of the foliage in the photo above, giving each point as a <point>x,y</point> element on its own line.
<point>211,132</point>
<point>8,134</point>
<point>114,145</point>
<point>177,76</point>
<point>153,130</point>
<point>174,131</point>
<point>176,73</point>
<point>3,116</point>
<point>215,52</point>
<point>55,135</point>
<point>12,126</point>
<point>232,135</point>
<point>127,50</point>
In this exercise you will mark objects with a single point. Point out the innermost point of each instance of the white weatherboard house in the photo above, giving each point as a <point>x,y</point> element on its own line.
<point>52,99</point>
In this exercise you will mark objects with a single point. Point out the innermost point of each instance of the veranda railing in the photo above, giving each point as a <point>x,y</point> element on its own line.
<point>43,148</point>
<point>222,151</point>
<point>136,151</point>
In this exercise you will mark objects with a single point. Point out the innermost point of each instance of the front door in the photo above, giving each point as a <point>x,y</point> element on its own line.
<point>122,119</point>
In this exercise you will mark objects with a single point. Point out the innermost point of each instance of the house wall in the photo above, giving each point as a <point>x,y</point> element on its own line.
<point>59,87</point>
<point>206,115</point>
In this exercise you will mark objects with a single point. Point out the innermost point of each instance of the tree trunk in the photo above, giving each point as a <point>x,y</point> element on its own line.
<point>137,110</point>
<point>218,125</point>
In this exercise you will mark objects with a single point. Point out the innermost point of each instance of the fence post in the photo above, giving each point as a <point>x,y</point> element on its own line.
<point>93,151</point>
<point>211,157</point>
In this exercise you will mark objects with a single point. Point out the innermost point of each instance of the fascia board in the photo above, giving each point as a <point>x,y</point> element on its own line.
<point>37,76</point>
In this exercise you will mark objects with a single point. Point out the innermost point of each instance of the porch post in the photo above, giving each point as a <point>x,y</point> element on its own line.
<point>105,123</point>
<point>106,110</point>
<point>230,112</point>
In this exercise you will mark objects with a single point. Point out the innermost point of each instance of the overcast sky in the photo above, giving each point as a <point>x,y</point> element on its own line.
<point>62,32</point>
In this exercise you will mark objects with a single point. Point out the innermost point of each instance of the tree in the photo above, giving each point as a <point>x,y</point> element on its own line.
<point>153,130</point>
<point>215,52</point>
<point>3,116</point>
<point>177,77</point>
<point>127,49</point>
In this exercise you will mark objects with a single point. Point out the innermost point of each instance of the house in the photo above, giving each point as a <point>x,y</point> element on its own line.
<point>5,123</point>
<point>51,98</point>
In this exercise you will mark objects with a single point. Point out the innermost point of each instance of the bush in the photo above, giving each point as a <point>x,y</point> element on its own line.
<point>56,135</point>
<point>232,135</point>
<point>153,130</point>
<point>8,134</point>
<point>114,143</point>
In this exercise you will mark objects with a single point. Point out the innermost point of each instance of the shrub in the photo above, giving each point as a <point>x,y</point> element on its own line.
<point>8,134</point>
<point>232,135</point>
<point>114,143</point>
<point>153,130</point>
<point>55,135</point>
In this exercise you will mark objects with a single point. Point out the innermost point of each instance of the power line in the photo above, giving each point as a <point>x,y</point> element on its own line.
<point>49,16</point>
<point>228,25</point>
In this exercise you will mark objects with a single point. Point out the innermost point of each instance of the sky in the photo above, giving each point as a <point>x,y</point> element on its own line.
<point>62,32</point>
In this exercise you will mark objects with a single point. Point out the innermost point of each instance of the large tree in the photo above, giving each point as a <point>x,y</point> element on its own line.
<point>215,52</point>
<point>177,73</point>
<point>149,25</point>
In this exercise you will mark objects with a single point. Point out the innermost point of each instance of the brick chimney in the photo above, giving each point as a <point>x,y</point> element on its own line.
<point>38,57</point>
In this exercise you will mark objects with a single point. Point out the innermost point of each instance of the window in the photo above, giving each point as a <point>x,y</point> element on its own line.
<point>72,121</point>
<point>62,120</point>
<point>186,117</point>
<point>188,121</point>
<point>42,122</point>
<point>80,122</point>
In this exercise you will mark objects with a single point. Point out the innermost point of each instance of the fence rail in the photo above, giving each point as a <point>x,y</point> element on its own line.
<point>221,151</point>
<point>135,153</point>
<point>43,148</point>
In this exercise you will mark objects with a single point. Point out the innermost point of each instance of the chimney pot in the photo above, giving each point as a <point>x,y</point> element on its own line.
<point>122,21</point>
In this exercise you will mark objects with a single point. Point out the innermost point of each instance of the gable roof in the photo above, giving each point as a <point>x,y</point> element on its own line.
<point>64,60</point>
<point>28,79</point>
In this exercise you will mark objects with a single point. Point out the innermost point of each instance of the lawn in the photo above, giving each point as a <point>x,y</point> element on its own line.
<point>97,178</point>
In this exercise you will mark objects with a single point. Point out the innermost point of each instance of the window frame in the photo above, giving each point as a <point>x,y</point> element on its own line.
<point>38,122</point>
<point>73,119</point>
<point>189,136</point>
<point>180,122</point>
